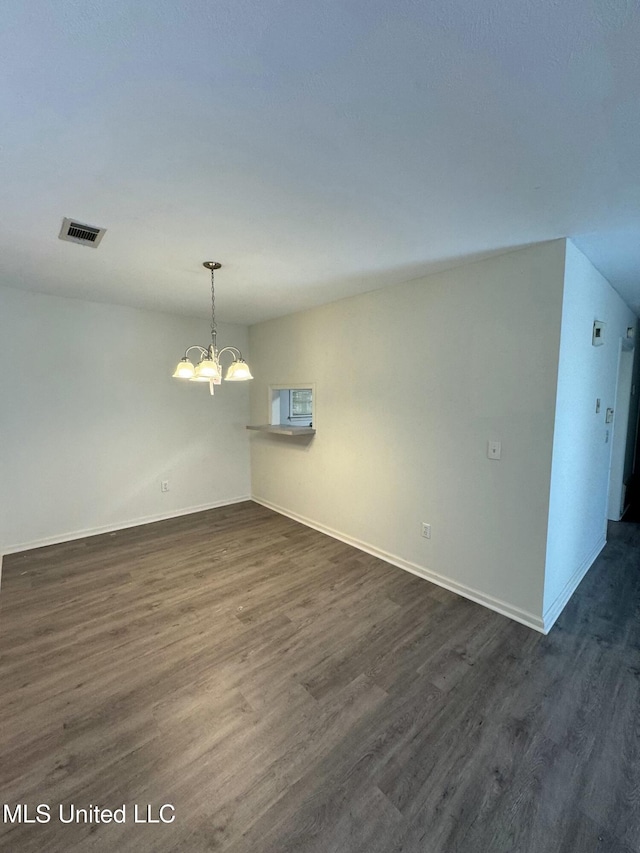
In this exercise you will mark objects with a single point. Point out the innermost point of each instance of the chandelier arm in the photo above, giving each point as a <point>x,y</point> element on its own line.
<point>201,350</point>
<point>235,352</point>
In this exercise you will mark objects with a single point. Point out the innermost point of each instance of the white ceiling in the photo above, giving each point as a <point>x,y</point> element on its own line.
<point>316,149</point>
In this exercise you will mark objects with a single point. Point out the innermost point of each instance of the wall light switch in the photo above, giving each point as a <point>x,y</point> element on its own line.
<point>494,449</point>
<point>597,338</point>
<point>608,418</point>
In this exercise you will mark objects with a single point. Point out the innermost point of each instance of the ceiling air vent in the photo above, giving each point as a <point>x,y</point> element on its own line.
<point>75,232</point>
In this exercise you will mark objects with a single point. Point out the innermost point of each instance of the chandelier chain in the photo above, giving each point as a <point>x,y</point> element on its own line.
<point>214,330</point>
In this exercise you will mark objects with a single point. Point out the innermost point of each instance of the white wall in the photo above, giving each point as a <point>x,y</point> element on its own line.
<point>91,420</point>
<point>581,453</point>
<point>411,382</point>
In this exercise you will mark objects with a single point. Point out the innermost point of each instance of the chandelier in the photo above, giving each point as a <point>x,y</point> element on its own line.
<point>209,368</point>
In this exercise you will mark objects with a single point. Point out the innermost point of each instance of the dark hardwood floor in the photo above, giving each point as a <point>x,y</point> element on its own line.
<point>286,692</point>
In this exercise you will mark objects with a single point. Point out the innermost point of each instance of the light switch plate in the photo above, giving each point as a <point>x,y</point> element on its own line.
<point>597,338</point>
<point>494,449</point>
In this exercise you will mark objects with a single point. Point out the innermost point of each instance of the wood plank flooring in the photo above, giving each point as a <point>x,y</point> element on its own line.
<point>286,692</point>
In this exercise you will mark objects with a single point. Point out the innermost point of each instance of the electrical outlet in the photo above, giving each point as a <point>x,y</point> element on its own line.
<point>164,485</point>
<point>426,530</point>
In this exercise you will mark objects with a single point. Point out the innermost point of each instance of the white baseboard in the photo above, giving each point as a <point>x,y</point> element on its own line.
<point>503,607</point>
<point>109,528</point>
<point>554,610</point>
